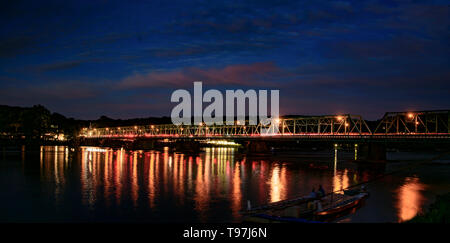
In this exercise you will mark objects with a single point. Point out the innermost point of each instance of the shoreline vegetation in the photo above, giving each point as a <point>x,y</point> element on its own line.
<point>37,125</point>
<point>437,212</point>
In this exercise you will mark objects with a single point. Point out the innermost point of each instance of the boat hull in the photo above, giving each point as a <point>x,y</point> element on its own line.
<point>330,212</point>
<point>339,210</point>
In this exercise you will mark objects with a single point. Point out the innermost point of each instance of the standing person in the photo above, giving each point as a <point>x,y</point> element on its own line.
<point>313,193</point>
<point>321,191</point>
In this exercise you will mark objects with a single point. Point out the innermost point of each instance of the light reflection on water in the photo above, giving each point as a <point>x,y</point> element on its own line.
<point>211,186</point>
<point>410,198</point>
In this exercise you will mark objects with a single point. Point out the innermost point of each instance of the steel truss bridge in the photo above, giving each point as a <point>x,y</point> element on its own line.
<point>394,125</point>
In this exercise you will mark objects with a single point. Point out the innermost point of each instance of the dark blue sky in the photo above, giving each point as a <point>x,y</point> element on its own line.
<point>123,59</point>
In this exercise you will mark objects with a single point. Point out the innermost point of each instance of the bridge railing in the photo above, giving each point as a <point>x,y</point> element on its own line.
<point>317,125</point>
<point>417,123</point>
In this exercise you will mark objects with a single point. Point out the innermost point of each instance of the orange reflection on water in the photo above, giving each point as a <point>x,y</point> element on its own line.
<point>340,181</point>
<point>410,198</point>
<point>53,166</point>
<point>118,175</point>
<point>278,183</point>
<point>201,197</point>
<point>107,175</point>
<point>181,183</point>
<point>176,189</point>
<point>151,181</point>
<point>134,179</point>
<point>236,194</point>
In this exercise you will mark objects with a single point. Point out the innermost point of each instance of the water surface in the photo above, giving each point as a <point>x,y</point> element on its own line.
<point>59,184</point>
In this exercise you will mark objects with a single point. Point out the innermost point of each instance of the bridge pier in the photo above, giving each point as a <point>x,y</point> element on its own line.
<point>190,146</point>
<point>372,152</point>
<point>256,146</point>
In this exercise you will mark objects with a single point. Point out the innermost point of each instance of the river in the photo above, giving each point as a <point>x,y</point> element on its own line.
<point>94,184</point>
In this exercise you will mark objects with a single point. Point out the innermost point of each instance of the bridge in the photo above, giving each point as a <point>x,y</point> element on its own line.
<point>413,130</point>
<point>394,126</point>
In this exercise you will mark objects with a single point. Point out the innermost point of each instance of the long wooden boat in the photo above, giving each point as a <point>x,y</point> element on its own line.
<point>341,206</point>
<point>266,218</point>
<point>323,209</point>
<point>278,205</point>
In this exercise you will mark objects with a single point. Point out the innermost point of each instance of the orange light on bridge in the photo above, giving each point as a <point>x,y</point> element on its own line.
<point>135,127</point>
<point>339,118</point>
<point>346,124</point>
<point>410,115</point>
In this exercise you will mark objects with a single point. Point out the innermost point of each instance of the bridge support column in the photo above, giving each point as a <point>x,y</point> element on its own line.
<point>189,146</point>
<point>256,147</point>
<point>373,152</point>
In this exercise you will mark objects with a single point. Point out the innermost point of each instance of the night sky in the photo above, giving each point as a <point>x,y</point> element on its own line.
<point>85,59</point>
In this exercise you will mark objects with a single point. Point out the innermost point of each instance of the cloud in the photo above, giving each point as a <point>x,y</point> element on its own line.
<point>238,74</point>
<point>66,90</point>
<point>210,48</point>
<point>16,45</point>
<point>57,66</point>
<point>399,46</point>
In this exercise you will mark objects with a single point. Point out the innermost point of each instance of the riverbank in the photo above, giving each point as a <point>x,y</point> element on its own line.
<point>438,212</point>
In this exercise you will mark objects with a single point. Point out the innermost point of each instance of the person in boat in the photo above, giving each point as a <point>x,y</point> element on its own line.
<point>321,191</point>
<point>311,204</point>
<point>313,193</point>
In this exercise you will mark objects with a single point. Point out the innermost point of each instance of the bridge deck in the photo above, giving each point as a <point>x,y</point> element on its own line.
<point>418,125</point>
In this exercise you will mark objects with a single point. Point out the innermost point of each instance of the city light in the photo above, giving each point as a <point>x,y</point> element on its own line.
<point>222,142</point>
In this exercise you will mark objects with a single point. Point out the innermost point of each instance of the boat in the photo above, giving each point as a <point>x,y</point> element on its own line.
<point>266,218</point>
<point>309,209</point>
<point>337,208</point>
<point>277,205</point>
